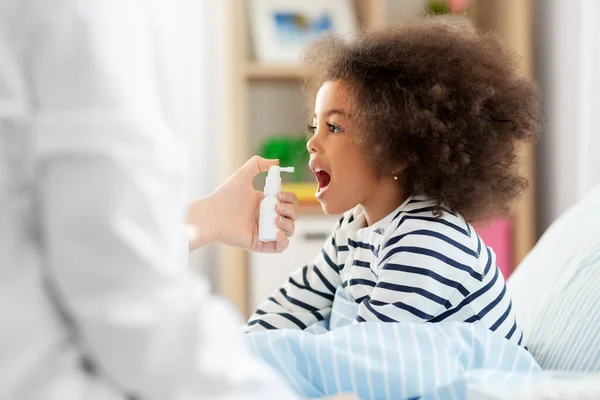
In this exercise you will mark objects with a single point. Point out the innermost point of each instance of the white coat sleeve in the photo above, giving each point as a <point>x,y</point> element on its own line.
<point>112,205</point>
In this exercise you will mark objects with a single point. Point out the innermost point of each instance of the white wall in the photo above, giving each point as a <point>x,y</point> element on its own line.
<point>567,64</point>
<point>193,65</point>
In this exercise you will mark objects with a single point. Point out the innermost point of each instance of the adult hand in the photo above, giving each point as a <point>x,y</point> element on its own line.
<point>230,214</point>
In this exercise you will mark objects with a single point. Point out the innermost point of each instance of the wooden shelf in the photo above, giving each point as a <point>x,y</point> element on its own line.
<point>310,208</point>
<point>255,71</point>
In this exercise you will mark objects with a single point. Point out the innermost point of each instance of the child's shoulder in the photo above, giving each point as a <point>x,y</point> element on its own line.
<point>417,222</point>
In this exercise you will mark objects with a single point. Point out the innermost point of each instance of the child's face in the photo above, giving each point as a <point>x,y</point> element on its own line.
<point>344,175</point>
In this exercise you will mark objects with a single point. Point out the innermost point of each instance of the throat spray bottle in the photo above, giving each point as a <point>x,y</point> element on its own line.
<point>267,229</point>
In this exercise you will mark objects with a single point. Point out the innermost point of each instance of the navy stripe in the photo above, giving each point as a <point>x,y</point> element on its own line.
<point>429,209</point>
<point>432,219</point>
<point>361,245</point>
<point>342,248</point>
<point>363,298</point>
<point>326,296</point>
<point>426,232</point>
<point>272,299</point>
<point>413,201</point>
<point>380,316</point>
<point>426,272</point>
<point>327,284</point>
<point>359,281</point>
<point>478,245</point>
<point>360,319</point>
<point>434,254</point>
<point>415,311</point>
<point>261,323</point>
<point>360,263</point>
<point>512,331</point>
<point>305,276</point>
<point>493,304</point>
<point>293,319</point>
<point>471,319</point>
<point>260,312</point>
<point>364,264</point>
<point>297,302</point>
<point>287,316</point>
<point>340,222</point>
<point>489,262</point>
<point>411,289</point>
<point>520,339</point>
<point>468,300</point>
<point>502,318</point>
<point>329,262</point>
<point>351,219</point>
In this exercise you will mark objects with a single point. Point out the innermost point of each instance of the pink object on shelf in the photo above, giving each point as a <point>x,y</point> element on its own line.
<point>497,235</point>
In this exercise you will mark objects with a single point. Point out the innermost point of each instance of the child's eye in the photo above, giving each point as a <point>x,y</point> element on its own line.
<point>334,129</point>
<point>311,128</point>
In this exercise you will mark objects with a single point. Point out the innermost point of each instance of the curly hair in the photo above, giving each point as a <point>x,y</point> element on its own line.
<point>443,99</point>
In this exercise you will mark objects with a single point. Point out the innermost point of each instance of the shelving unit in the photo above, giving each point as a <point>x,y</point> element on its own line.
<point>261,100</point>
<point>255,71</point>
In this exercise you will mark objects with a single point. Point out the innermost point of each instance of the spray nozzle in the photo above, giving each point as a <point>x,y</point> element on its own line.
<point>273,182</point>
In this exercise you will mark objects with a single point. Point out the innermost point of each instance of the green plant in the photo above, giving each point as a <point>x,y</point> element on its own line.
<point>290,150</point>
<point>438,7</point>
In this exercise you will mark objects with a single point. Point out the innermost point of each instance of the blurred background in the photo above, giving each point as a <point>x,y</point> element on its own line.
<point>238,91</point>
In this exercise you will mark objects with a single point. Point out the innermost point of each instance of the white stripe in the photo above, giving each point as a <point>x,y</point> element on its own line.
<point>401,361</point>
<point>584,327</point>
<point>436,367</point>
<point>351,357</point>
<point>487,348</point>
<point>290,376</point>
<point>448,362</point>
<point>417,356</point>
<point>318,357</point>
<point>303,351</point>
<point>335,363</point>
<point>516,363</point>
<point>384,362</point>
<point>367,363</point>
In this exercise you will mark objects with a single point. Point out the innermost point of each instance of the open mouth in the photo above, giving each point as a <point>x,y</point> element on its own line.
<point>323,179</point>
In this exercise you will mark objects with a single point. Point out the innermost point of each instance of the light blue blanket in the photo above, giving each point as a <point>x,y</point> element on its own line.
<point>392,361</point>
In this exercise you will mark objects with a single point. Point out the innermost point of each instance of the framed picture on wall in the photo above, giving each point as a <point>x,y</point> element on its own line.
<point>282,28</point>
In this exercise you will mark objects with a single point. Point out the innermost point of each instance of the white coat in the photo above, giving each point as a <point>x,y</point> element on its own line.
<point>96,301</point>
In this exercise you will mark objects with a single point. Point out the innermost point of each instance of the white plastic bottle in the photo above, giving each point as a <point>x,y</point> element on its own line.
<point>267,229</point>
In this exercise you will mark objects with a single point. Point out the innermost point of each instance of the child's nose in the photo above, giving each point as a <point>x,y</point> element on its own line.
<point>313,144</point>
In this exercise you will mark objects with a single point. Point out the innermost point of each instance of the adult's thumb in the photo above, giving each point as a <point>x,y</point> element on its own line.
<point>257,164</point>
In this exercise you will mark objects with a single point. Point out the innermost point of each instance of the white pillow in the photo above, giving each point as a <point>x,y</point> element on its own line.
<point>556,291</point>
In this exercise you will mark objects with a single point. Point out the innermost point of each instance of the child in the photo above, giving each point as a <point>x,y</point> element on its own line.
<point>415,131</point>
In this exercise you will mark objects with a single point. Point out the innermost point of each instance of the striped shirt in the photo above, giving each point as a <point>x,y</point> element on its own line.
<point>409,267</point>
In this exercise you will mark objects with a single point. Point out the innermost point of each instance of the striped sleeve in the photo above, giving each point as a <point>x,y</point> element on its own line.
<point>421,274</point>
<point>306,297</point>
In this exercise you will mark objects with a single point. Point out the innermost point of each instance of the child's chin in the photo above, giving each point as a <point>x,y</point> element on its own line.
<point>332,208</point>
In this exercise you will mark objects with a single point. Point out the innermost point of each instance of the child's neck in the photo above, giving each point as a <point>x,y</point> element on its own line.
<point>388,196</point>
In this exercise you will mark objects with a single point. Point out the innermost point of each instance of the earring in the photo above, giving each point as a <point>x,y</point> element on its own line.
<point>395,176</point>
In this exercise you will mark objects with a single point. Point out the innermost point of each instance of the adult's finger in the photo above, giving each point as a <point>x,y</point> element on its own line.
<point>288,197</point>
<point>282,242</point>
<point>287,210</point>
<point>257,164</point>
<point>286,225</point>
